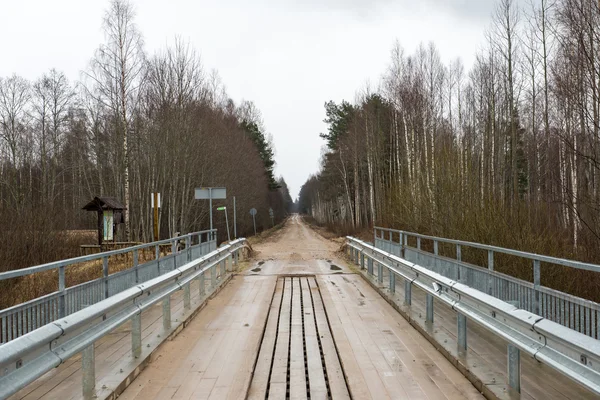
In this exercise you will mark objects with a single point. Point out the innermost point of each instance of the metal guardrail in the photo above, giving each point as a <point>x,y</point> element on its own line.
<point>570,311</point>
<point>28,316</point>
<point>572,353</point>
<point>28,357</point>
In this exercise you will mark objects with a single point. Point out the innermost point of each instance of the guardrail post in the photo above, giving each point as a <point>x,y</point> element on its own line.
<point>88,366</point>
<point>418,243</point>
<point>490,268</point>
<point>407,293</point>
<point>213,276</point>
<point>391,243</point>
<point>370,266</point>
<point>157,258</point>
<point>400,243</point>
<point>136,260</point>
<point>362,260</point>
<point>429,311</point>
<point>459,259</point>
<point>61,288</point>
<point>136,335</point>
<point>356,255</point>
<point>392,281</point>
<point>202,288</point>
<point>536,284</point>
<point>174,253</point>
<point>188,246</point>
<point>514,368</point>
<point>379,273</point>
<point>186,297</point>
<point>461,321</point>
<point>435,247</point>
<point>167,313</point>
<point>105,275</point>
<point>230,262</point>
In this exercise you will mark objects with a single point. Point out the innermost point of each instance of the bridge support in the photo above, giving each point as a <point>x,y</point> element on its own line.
<point>167,313</point>
<point>407,293</point>
<point>429,311</point>
<point>461,321</point>
<point>514,368</point>
<point>88,366</point>
<point>136,335</point>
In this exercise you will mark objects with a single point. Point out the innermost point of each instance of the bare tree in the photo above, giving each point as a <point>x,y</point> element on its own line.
<point>117,72</point>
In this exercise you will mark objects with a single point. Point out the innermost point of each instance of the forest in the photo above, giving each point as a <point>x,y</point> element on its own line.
<point>506,152</point>
<point>135,123</point>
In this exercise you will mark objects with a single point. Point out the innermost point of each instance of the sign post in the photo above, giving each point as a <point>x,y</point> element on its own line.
<point>155,205</point>
<point>209,194</point>
<point>226,221</point>
<point>253,213</point>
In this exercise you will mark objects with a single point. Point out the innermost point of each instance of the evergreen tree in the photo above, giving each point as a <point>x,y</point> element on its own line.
<point>265,150</point>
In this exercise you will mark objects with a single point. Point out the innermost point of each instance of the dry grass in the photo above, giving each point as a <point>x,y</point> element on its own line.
<point>20,290</point>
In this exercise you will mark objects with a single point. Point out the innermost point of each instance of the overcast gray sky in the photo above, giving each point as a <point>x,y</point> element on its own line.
<point>287,56</point>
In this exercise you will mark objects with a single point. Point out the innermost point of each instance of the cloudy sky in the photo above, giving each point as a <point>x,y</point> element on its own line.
<point>287,56</point>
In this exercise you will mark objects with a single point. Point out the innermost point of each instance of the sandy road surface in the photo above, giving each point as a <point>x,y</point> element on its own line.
<point>296,242</point>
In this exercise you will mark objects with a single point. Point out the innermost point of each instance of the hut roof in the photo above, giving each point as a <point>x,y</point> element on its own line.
<point>104,203</point>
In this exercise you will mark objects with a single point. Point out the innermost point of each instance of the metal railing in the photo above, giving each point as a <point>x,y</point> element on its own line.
<point>28,316</point>
<point>570,311</point>
<point>572,353</point>
<point>28,357</point>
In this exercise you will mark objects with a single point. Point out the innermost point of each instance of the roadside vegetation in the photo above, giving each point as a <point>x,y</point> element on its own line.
<point>506,152</point>
<point>135,123</point>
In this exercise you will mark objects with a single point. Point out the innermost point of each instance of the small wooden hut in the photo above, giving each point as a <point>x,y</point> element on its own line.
<point>110,215</point>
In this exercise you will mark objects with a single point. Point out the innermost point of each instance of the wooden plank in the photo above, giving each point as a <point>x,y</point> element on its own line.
<point>316,375</point>
<point>363,380</point>
<point>260,378</point>
<point>297,363</point>
<point>279,370</point>
<point>337,382</point>
<point>214,356</point>
<point>204,389</point>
